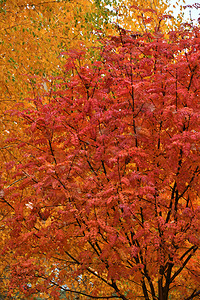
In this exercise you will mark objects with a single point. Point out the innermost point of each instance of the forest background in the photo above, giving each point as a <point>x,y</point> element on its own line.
<point>35,40</point>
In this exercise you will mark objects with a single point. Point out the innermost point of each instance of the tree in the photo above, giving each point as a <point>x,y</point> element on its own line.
<point>106,200</point>
<point>33,33</point>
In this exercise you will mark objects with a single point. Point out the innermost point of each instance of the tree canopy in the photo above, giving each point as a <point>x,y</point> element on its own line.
<point>100,180</point>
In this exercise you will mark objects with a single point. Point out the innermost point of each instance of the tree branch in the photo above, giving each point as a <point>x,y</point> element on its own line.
<point>194,294</point>
<point>184,264</point>
<point>79,293</point>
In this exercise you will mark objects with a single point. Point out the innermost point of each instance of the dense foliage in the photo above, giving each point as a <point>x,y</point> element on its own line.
<point>100,168</point>
<point>107,203</point>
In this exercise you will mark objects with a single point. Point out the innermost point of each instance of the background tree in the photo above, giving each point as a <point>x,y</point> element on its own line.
<point>32,36</point>
<point>106,199</point>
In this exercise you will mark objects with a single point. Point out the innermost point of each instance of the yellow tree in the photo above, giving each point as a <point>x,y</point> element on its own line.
<point>144,16</point>
<point>32,36</point>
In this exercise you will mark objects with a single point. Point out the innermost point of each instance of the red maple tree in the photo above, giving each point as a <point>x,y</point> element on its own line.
<point>109,206</point>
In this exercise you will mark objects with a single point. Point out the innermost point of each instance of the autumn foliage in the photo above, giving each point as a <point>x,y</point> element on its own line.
<point>105,201</point>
